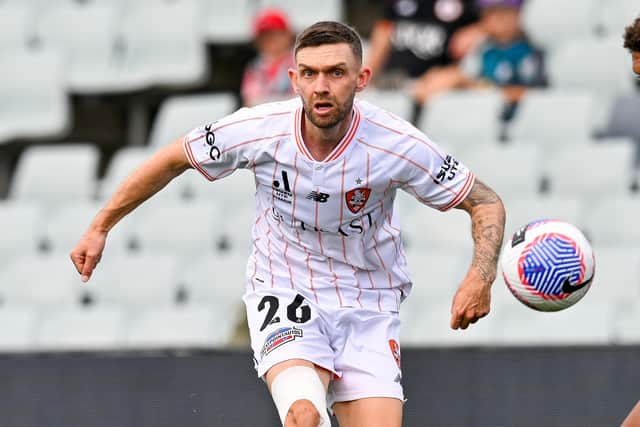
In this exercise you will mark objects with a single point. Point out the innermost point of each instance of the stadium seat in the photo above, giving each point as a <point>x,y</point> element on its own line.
<point>81,329</point>
<point>463,119</point>
<point>523,210</point>
<point>235,28</point>
<point>617,274</point>
<point>20,228</point>
<point>431,327</point>
<point>626,331</point>
<point>34,99</point>
<point>186,228</point>
<point>16,26</point>
<point>591,170</point>
<point>31,182</point>
<point>510,170</point>
<point>550,118</point>
<point>615,15</point>
<point>91,58</point>
<point>135,280</point>
<point>218,282</point>
<point>158,50</point>
<point>304,14</point>
<point>613,220</point>
<point>46,280</point>
<point>623,118</point>
<point>550,22</point>
<point>18,328</point>
<point>396,102</point>
<point>126,160</point>
<point>177,328</point>
<point>609,76</point>
<point>65,225</point>
<point>585,323</point>
<point>429,228</point>
<point>179,115</point>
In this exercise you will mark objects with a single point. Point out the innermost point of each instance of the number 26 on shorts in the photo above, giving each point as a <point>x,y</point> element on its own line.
<point>296,312</point>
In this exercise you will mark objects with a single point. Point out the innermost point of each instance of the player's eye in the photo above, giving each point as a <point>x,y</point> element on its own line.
<point>338,72</point>
<point>307,73</point>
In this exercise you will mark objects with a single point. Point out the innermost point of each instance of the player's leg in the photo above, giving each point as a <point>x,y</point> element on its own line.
<point>369,392</point>
<point>299,391</point>
<point>292,353</point>
<point>369,412</point>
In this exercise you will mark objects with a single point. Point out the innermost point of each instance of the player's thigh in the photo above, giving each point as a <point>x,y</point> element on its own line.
<point>369,412</point>
<point>325,376</point>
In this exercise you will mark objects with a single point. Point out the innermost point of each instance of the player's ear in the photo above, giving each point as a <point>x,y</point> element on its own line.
<point>293,80</point>
<point>364,76</point>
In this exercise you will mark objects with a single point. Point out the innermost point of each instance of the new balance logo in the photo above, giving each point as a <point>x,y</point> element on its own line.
<point>318,196</point>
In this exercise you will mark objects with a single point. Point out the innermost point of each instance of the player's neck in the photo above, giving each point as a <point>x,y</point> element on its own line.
<point>321,141</point>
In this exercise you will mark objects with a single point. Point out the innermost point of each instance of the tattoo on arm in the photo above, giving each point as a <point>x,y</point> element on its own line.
<point>487,228</point>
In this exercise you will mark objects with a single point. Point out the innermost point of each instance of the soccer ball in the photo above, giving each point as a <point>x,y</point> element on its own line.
<point>548,265</point>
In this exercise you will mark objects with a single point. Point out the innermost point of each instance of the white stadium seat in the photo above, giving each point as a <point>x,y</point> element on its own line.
<point>549,22</point>
<point>135,280</point>
<point>463,119</point>
<point>179,115</point>
<point>615,15</point>
<point>551,117</point>
<point>81,329</point>
<point>46,280</point>
<point>510,170</point>
<point>90,58</point>
<point>20,228</point>
<point>591,170</point>
<point>617,274</point>
<point>32,182</point>
<point>18,328</point>
<point>176,328</point>
<point>34,99</point>
<point>227,22</point>
<point>394,101</point>
<point>429,228</point>
<point>16,25</point>
<point>613,220</point>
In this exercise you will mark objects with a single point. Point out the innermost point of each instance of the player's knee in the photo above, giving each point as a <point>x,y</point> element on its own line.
<point>302,413</point>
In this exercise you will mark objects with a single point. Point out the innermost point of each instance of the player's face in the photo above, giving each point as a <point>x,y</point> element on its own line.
<point>635,56</point>
<point>327,78</point>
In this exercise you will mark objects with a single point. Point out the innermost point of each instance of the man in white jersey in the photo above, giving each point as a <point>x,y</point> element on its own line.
<point>327,272</point>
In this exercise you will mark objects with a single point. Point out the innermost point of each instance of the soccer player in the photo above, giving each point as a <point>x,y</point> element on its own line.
<point>632,42</point>
<point>327,272</point>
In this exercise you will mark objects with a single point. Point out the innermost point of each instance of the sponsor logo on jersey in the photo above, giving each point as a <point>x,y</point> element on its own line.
<point>282,189</point>
<point>278,338</point>
<point>395,351</point>
<point>357,198</point>
<point>318,196</point>
<point>447,171</point>
<point>210,138</point>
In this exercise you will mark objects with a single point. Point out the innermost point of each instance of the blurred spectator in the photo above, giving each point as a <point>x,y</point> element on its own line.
<point>505,59</point>
<point>266,77</point>
<point>416,37</point>
<point>632,42</point>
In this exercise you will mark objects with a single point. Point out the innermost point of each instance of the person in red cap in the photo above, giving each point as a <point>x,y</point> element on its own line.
<point>266,77</point>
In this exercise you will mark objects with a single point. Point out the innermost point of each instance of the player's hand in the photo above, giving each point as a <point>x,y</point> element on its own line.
<point>470,303</point>
<point>87,253</point>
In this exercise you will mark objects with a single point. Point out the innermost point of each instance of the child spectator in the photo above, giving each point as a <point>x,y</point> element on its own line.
<point>266,77</point>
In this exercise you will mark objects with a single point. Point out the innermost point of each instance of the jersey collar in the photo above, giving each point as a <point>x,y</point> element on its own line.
<point>342,145</point>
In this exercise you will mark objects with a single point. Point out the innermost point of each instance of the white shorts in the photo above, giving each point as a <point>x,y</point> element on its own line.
<point>360,347</point>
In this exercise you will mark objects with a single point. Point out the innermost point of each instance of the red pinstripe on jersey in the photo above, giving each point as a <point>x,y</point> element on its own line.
<point>463,193</point>
<point>338,149</point>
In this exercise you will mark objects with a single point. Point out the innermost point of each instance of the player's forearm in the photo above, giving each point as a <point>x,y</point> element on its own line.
<point>145,181</point>
<point>487,229</point>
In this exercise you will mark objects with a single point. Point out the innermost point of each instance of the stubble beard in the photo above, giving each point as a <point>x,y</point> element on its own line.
<point>334,119</point>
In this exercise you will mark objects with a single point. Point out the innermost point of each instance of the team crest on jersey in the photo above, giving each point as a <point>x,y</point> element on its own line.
<point>357,198</point>
<point>279,338</point>
<point>395,350</point>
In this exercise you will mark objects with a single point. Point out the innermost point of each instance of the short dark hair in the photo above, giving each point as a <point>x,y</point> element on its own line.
<point>632,36</point>
<point>329,32</point>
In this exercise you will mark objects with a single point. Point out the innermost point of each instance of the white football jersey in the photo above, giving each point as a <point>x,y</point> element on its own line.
<point>326,228</point>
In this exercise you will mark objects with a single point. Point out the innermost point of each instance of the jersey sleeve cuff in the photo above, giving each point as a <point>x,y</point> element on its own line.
<point>466,189</point>
<point>189,154</point>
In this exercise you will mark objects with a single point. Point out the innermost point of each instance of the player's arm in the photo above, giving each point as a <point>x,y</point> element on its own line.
<point>633,419</point>
<point>144,182</point>
<point>473,298</point>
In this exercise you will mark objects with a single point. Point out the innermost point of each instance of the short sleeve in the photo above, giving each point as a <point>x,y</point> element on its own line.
<point>436,178</point>
<point>215,150</point>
